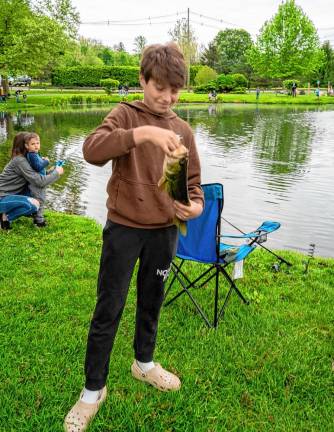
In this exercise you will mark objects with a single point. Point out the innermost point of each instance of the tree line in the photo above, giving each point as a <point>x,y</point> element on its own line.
<point>39,36</point>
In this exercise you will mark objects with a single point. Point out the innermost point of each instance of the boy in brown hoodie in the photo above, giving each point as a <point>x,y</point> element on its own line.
<point>136,137</point>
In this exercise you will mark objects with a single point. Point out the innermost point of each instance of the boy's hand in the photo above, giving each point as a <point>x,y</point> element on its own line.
<point>46,158</point>
<point>186,212</point>
<point>60,170</point>
<point>166,139</point>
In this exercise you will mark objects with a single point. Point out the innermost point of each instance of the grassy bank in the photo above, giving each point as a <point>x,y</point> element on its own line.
<point>268,367</point>
<point>63,98</point>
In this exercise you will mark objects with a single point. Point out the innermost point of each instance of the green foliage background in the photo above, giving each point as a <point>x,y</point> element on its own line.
<point>90,76</point>
<point>288,45</point>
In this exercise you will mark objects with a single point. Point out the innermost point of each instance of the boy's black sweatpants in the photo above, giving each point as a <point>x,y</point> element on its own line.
<point>122,246</point>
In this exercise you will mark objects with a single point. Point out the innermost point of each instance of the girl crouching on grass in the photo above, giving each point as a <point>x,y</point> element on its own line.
<point>15,180</point>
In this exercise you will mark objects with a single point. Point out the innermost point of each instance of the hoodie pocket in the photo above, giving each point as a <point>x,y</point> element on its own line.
<point>143,203</point>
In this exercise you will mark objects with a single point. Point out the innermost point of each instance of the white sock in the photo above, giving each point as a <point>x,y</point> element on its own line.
<point>90,396</point>
<point>145,367</point>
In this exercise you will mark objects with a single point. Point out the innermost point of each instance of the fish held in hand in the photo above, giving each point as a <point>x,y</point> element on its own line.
<point>174,180</point>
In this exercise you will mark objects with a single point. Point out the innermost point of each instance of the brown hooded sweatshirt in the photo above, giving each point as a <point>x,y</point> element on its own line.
<point>134,198</point>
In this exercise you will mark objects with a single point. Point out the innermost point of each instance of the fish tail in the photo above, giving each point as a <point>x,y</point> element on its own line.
<point>181,225</point>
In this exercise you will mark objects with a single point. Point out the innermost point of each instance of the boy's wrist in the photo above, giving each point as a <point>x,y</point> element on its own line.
<point>141,134</point>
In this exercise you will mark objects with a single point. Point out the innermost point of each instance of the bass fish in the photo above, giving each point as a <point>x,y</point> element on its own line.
<point>174,180</point>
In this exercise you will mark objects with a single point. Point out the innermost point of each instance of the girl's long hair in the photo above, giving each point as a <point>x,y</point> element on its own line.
<point>20,140</point>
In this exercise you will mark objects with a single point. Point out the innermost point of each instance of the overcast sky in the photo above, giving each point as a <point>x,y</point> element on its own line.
<point>206,18</point>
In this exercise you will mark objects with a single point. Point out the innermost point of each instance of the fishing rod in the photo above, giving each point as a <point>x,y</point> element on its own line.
<point>259,243</point>
<point>310,256</point>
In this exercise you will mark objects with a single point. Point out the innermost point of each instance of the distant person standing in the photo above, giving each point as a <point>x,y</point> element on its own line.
<point>17,95</point>
<point>294,89</point>
<point>257,91</point>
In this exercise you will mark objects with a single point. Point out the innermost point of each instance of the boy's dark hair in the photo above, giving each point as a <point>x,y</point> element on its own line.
<point>165,64</point>
<point>20,140</point>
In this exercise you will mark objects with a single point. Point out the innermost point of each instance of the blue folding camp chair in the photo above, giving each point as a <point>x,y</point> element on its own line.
<point>203,244</point>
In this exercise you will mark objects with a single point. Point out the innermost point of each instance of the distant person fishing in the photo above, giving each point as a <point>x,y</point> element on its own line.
<point>141,221</point>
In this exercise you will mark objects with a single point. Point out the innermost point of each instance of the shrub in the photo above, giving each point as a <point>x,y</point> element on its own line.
<point>205,75</point>
<point>239,90</point>
<point>109,84</point>
<point>240,80</point>
<point>206,88</point>
<point>225,83</point>
<point>90,76</point>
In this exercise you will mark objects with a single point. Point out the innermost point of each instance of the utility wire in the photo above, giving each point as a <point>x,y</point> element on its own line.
<point>217,20</point>
<point>150,21</point>
<point>213,19</point>
<point>126,21</point>
<point>110,23</point>
<point>205,25</point>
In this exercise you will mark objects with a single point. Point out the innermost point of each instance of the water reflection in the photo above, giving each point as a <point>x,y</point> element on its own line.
<point>62,135</point>
<point>274,162</point>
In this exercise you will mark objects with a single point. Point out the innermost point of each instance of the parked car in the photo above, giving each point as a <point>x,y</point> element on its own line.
<point>23,80</point>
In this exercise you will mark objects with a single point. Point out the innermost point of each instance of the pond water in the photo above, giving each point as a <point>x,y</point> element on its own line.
<point>276,163</point>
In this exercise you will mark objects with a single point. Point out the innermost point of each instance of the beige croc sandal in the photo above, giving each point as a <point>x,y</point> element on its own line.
<point>157,377</point>
<point>81,414</point>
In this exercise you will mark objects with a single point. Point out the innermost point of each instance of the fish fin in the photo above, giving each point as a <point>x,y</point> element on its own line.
<point>181,225</point>
<point>162,182</point>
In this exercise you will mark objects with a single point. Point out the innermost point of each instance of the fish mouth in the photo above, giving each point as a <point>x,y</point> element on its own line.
<point>180,152</point>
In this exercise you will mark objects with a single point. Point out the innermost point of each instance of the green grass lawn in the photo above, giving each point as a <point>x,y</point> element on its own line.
<point>56,98</point>
<point>268,366</point>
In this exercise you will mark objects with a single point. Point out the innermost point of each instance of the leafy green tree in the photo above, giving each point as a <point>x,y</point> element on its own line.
<point>12,14</point>
<point>62,11</point>
<point>88,51</point>
<point>118,58</point>
<point>209,56</point>
<point>85,52</point>
<point>204,75</point>
<point>140,43</point>
<point>326,72</point>
<point>231,46</point>
<point>289,83</point>
<point>34,51</point>
<point>288,45</point>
